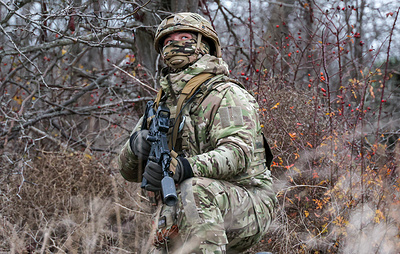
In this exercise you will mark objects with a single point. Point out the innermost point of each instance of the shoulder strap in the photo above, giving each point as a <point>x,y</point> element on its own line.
<point>189,89</point>
<point>158,98</point>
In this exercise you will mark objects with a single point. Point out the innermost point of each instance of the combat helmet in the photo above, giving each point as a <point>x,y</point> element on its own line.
<point>188,22</point>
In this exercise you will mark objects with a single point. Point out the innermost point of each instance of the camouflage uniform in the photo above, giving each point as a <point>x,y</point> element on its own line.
<point>228,204</point>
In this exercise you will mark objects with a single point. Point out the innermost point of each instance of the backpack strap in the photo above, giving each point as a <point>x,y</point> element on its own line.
<point>186,93</point>
<point>190,88</point>
<point>158,98</point>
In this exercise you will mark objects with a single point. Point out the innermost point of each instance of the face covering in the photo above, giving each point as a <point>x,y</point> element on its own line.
<point>180,54</point>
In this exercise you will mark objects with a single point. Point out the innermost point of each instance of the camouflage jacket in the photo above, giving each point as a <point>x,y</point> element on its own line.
<point>221,134</point>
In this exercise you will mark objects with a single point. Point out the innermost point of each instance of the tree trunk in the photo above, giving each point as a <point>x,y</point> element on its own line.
<point>276,32</point>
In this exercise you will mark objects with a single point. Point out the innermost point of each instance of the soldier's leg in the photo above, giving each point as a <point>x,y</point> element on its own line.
<point>213,212</point>
<point>200,218</point>
<point>245,230</point>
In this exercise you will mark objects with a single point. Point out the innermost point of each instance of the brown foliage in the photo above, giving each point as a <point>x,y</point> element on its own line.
<point>69,202</point>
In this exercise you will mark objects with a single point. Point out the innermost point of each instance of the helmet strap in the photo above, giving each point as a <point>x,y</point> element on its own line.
<point>199,37</point>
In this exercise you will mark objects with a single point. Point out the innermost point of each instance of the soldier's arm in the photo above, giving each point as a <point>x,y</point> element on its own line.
<point>128,162</point>
<point>232,130</point>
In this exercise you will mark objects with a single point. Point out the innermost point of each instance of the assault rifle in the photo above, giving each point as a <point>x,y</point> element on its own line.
<point>159,151</point>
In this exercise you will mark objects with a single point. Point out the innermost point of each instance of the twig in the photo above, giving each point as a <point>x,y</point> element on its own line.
<point>308,186</point>
<point>139,212</point>
<point>58,142</point>
<point>153,228</point>
<point>386,74</point>
<point>22,54</point>
<point>136,79</point>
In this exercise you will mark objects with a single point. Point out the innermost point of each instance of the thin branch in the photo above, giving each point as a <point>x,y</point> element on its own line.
<point>136,79</point>
<point>386,75</point>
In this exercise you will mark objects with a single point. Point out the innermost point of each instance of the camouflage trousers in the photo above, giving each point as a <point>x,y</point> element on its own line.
<point>217,217</point>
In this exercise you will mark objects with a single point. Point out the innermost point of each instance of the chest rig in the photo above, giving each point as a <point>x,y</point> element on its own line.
<point>178,120</point>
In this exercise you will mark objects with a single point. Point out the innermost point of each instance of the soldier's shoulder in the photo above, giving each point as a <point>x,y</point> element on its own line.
<point>232,87</point>
<point>222,86</point>
<point>223,83</point>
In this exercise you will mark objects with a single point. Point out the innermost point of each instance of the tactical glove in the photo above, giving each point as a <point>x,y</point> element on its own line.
<point>139,144</point>
<point>180,167</point>
<point>153,174</point>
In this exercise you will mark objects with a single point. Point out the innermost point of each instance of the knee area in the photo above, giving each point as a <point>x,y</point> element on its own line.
<point>201,189</point>
<point>196,184</point>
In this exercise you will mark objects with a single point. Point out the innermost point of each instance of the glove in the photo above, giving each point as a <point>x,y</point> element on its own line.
<point>139,144</point>
<point>180,167</point>
<point>153,174</point>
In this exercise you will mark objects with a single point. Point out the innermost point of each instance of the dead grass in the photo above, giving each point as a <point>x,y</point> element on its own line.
<point>69,203</point>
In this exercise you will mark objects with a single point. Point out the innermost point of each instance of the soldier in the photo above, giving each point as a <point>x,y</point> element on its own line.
<point>220,157</point>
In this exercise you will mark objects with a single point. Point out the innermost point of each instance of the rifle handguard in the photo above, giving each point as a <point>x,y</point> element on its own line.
<point>160,152</point>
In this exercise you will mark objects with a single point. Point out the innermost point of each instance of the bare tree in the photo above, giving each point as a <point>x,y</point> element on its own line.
<point>65,68</point>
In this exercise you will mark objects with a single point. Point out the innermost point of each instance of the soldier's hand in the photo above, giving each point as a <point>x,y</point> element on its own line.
<point>180,167</point>
<point>153,174</point>
<point>139,144</point>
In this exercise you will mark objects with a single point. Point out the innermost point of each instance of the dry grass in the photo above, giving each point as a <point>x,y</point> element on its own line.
<point>69,203</point>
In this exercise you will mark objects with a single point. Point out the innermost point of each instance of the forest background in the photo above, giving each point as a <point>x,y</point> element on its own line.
<point>75,77</point>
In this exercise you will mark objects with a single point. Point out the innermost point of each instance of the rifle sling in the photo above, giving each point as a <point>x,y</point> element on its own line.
<point>186,93</point>
<point>189,89</point>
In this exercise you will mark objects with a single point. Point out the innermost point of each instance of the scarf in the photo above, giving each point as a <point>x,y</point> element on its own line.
<point>175,82</point>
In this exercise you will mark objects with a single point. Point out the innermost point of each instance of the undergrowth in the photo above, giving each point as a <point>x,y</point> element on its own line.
<point>69,203</point>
